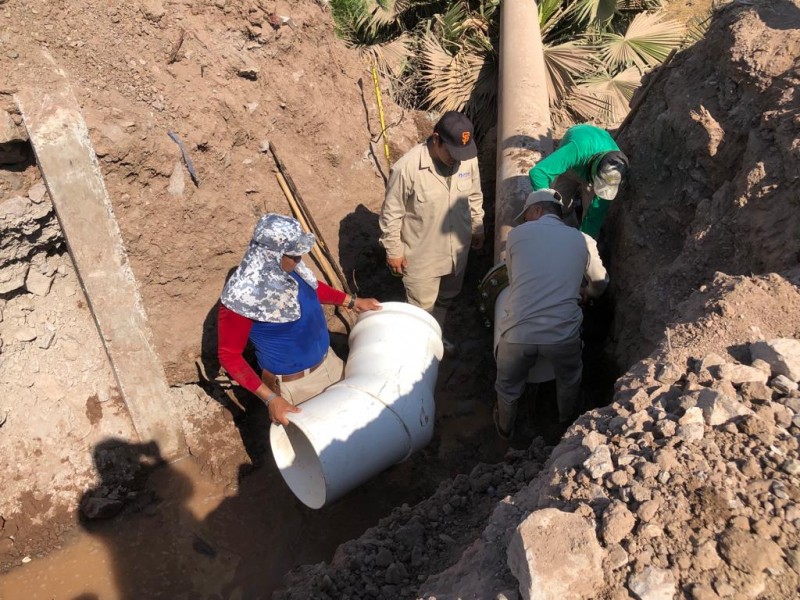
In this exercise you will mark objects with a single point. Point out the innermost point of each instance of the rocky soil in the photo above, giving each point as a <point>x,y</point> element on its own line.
<point>234,82</point>
<point>685,486</point>
<point>226,76</point>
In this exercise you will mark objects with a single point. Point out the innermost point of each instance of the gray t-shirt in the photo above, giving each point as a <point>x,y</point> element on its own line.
<point>547,261</point>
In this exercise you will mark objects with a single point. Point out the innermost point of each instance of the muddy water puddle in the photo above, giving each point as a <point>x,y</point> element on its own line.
<point>199,539</point>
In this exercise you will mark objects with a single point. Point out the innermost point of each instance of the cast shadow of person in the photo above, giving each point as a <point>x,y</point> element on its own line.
<point>139,510</point>
<point>363,260</point>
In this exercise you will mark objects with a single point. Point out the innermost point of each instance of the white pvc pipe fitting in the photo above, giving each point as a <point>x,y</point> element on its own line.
<point>378,415</point>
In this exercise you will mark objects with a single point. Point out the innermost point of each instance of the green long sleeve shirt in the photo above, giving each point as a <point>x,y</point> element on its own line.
<point>579,145</point>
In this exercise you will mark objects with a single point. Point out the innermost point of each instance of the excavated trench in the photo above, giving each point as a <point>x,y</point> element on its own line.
<point>149,529</point>
<point>225,533</point>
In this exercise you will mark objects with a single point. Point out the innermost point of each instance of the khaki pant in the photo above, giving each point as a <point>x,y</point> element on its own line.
<point>329,372</point>
<point>434,294</point>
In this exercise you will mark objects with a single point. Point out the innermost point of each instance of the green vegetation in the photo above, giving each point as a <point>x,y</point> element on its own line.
<point>441,55</point>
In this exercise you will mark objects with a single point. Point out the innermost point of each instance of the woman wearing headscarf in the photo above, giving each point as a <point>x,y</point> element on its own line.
<point>274,300</point>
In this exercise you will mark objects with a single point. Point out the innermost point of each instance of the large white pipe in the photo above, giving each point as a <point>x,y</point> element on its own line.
<point>524,130</point>
<point>378,415</point>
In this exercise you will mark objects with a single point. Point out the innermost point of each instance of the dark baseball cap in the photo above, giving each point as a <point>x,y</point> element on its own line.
<point>456,132</point>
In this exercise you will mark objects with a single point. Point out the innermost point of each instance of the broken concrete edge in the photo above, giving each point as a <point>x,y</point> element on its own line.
<point>66,158</point>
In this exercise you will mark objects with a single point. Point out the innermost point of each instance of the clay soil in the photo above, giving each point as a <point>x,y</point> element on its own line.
<point>702,248</point>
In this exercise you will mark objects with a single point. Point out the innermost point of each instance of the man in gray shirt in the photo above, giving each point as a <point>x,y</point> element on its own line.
<point>547,262</point>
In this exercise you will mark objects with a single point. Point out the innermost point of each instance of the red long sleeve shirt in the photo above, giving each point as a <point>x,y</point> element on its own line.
<point>233,331</point>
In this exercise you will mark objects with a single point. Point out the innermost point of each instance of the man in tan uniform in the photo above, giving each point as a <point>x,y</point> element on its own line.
<point>432,213</point>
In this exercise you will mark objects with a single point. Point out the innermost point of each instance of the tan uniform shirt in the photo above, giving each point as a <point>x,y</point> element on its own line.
<point>547,261</point>
<point>427,220</point>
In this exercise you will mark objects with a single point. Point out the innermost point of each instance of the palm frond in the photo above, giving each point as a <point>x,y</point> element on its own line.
<point>389,57</point>
<point>696,28</point>
<point>616,89</point>
<point>594,10</point>
<point>465,81</point>
<point>358,26</point>
<point>565,64</point>
<point>639,5</point>
<point>646,43</point>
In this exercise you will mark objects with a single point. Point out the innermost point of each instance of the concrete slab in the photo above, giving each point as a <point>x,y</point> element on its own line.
<point>60,140</point>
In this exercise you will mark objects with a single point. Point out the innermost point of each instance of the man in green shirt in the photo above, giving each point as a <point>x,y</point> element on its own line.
<point>588,158</point>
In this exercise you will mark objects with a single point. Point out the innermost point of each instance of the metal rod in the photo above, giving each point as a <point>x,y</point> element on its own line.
<point>309,219</point>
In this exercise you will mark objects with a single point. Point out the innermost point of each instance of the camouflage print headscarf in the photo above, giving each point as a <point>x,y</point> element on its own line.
<point>260,289</point>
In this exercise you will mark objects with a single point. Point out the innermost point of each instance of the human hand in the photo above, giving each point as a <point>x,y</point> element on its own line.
<point>397,265</point>
<point>279,408</point>
<point>478,240</point>
<point>363,304</point>
<point>585,298</point>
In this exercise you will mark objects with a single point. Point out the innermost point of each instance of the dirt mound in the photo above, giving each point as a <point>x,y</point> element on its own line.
<point>714,164</point>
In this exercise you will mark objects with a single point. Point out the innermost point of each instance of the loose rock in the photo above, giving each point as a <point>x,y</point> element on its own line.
<point>617,523</point>
<point>555,555</point>
<point>599,462</point>
<point>782,354</point>
<point>652,584</point>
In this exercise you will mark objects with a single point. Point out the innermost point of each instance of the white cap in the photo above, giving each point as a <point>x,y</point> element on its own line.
<point>544,195</point>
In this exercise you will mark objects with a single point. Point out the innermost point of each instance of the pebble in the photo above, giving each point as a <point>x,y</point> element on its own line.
<point>25,334</point>
<point>396,573</point>
<point>384,558</point>
<point>706,557</point>
<point>250,73</point>
<point>648,510</point>
<point>599,462</point>
<point>779,490</point>
<point>619,478</point>
<point>783,384</point>
<point>617,523</point>
<point>691,426</point>
<point>652,584</point>
<point>617,557</point>
<point>593,439</point>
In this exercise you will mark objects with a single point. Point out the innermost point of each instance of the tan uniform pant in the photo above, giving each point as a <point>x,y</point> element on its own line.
<point>329,372</point>
<point>434,294</point>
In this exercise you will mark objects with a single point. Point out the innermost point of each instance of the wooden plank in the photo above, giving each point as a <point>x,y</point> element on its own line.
<point>60,140</point>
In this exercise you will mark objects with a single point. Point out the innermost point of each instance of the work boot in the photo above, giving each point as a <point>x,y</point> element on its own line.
<point>505,415</point>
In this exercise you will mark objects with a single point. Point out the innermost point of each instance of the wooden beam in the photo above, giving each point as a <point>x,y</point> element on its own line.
<point>65,155</point>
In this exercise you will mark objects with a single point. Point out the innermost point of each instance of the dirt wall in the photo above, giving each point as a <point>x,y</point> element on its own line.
<point>714,161</point>
<point>241,76</point>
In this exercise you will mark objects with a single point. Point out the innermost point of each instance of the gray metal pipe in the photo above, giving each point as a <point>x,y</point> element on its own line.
<point>524,129</point>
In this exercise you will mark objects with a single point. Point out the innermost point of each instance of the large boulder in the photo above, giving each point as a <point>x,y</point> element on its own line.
<point>556,555</point>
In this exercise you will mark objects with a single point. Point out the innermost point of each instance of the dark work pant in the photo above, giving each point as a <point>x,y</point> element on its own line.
<point>515,360</point>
